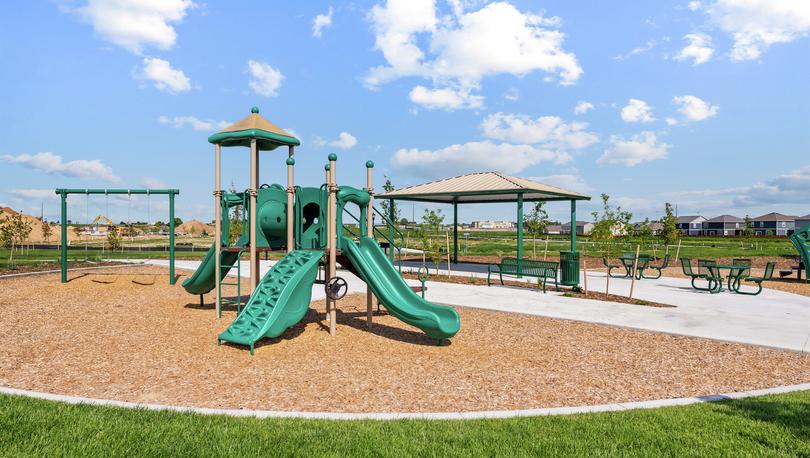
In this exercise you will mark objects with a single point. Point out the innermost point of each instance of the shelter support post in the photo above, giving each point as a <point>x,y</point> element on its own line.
<point>172,279</point>
<point>331,267</point>
<point>64,245</point>
<point>455,232</point>
<point>520,233</point>
<point>217,226</point>
<point>391,215</point>
<point>573,225</point>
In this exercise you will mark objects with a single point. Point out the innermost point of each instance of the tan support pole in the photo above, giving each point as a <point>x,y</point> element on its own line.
<point>254,184</point>
<point>218,224</point>
<point>328,181</point>
<point>290,200</point>
<point>331,267</point>
<point>369,232</point>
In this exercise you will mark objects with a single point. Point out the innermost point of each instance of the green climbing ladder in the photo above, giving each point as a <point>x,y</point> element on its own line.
<point>280,301</point>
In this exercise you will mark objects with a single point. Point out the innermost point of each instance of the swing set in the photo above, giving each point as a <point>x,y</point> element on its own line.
<point>64,193</point>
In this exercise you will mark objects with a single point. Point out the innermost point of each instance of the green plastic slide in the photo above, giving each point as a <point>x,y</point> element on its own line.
<point>437,321</point>
<point>280,301</point>
<point>202,280</point>
<point>801,242</point>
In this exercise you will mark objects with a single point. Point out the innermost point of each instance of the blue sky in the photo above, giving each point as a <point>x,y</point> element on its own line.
<point>702,104</point>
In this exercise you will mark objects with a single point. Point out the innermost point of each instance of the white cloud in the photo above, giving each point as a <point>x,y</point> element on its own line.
<point>194,122</point>
<point>699,50</point>
<point>472,157</point>
<point>671,121</point>
<point>321,21</point>
<point>446,98</point>
<point>695,109</point>
<point>694,5</point>
<point>637,111</point>
<point>51,163</point>
<point>154,183</point>
<point>551,131</point>
<point>463,48</point>
<point>512,94</point>
<point>755,25</point>
<point>583,107</point>
<point>570,182</point>
<point>265,80</point>
<point>643,147</point>
<point>136,24</point>
<point>36,194</point>
<point>344,141</point>
<point>648,46</point>
<point>163,76</point>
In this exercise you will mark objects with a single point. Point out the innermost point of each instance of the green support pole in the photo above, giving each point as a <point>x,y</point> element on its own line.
<point>573,226</point>
<point>391,216</point>
<point>171,240</point>
<point>63,251</point>
<point>520,233</point>
<point>455,231</point>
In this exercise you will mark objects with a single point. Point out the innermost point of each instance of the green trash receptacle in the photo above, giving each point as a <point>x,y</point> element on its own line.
<point>569,268</point>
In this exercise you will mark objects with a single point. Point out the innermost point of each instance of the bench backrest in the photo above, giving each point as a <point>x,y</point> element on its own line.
<point>686,265</point>
<point>768,275</point>
<point>529,267</point>
<point>743,262</point>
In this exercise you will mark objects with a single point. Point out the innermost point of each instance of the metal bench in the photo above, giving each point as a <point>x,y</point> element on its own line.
<point>766,276</point>
<point>527,268</point>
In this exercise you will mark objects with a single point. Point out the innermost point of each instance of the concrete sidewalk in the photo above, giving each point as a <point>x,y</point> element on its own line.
<point>774,318</point>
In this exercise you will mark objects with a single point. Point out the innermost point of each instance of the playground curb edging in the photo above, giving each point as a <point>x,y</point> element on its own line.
<point>78,269</point>
<point>473,415</point>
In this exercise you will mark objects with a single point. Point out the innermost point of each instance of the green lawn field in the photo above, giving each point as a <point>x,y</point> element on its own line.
<point>762,426</point>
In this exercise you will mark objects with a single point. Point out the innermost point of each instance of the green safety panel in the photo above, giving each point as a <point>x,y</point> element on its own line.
<point>801,242</point>
<point>280,301</point>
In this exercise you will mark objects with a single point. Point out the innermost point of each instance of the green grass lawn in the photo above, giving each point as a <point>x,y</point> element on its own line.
<point>763,426</point>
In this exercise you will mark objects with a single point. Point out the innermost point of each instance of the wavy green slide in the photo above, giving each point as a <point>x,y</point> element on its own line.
<point>202,280</point>
<point>280,301</point>
<point>437,321</point>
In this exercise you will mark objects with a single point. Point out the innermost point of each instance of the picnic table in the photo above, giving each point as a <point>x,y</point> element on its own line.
<point>734,273</point>
<point>629,259</point>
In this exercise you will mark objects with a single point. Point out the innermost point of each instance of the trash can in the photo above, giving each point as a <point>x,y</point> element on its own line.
<point>569,268</point>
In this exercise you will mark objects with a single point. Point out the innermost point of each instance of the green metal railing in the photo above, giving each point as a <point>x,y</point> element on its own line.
<point>383,235</point>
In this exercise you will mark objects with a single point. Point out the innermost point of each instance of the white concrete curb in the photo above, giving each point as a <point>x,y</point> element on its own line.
<point>490,414</point>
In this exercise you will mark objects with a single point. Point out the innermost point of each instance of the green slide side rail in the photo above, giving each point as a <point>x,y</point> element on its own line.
<point>801,242</point>
<point>280,301</point>
<point>437,321</point>
<point>202,280</point>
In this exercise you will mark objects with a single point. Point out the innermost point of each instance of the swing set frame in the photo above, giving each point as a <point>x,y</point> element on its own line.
<point>64,193</point>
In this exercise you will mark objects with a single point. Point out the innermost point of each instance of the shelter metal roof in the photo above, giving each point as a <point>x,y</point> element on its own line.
<point>268,136</point>
<point>482,187</point>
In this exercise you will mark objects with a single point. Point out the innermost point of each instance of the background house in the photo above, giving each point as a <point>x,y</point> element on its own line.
<point>583,228</point>
<point>723,225</point>
<point>802,221</point>
<point>691,225</point>
<point>491,224</point>
<point>774,224</point>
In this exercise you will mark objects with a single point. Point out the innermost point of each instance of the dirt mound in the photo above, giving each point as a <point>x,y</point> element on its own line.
<point>195,227</point>
<point>36,227</point>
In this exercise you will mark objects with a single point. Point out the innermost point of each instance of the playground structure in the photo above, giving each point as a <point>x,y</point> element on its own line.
<point>306,222</point>
<point>63,195</point>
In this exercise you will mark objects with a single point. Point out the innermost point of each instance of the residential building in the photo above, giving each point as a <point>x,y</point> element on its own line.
<point>774,224</point>
<point>554,229</point>
<point>583,228</point>
<point>691,225</point>
<point>723,225</point>
<point>655,226</point>
<point>802,221</point>
<point>491,224</point>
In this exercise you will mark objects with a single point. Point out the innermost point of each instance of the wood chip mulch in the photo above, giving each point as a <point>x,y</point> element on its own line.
<point>130,342</point>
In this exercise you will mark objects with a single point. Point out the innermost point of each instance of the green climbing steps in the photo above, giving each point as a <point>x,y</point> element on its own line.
<point>281,300</point>
<point>437,321</point>
<point>801,242</point>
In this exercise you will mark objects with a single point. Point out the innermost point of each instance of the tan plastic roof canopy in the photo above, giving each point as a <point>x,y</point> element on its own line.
<point>268,136</point>
<point>482,187</point>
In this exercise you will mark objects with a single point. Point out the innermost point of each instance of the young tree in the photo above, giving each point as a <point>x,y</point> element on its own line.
<point>644,231</point>
<point>748,228</point>
<point>669,230</point>
<point>113,238</point>
<point>536,222</point>
<point>237,218</point>
<point>47,232</point>
<point>14,231</point>
<point>177,221</point>
<point>610,224</point>
<point>433,219</point>
<point>388,207</point>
